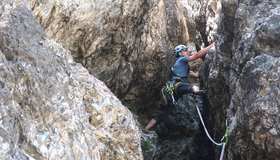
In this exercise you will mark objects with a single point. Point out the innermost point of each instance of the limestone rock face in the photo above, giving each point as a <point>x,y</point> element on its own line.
<point>244,79</point>
<point>206,15</point>
<point>50,106</point>
<point>129,46</point>
<point>126,44</point>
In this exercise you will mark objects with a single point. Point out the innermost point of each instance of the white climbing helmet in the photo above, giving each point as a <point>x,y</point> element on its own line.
<point>178,49</point>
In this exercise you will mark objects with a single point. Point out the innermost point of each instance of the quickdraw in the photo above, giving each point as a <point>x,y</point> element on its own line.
<point>169,89</point>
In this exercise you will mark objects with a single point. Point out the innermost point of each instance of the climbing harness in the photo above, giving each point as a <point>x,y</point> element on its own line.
<point>169,89</point>
<point>224,139</point>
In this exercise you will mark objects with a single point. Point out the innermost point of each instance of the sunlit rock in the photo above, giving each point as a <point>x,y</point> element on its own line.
<point>50,106</point>
<point>126,44</point>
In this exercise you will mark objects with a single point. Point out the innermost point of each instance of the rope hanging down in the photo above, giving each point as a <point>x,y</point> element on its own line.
<point>225,137</point>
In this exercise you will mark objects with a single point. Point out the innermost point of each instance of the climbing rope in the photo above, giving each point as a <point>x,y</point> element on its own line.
<point>169,89</point>
<point>224,139</point>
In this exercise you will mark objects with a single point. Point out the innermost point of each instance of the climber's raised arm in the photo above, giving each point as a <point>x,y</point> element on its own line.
<point>200,53</point>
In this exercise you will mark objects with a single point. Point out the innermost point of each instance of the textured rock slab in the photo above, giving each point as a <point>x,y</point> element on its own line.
<point>51,107</point>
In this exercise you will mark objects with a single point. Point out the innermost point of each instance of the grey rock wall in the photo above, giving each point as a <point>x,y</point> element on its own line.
<point>243,79</point>
<point>50,106</point>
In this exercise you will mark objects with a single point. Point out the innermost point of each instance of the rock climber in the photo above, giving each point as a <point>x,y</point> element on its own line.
<point>179,85</point>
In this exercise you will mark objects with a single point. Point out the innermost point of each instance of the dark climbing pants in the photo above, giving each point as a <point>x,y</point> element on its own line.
<point>166,102</point>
